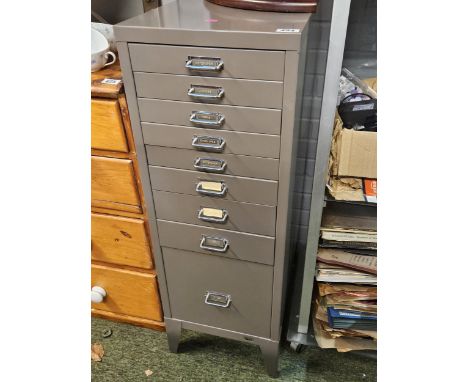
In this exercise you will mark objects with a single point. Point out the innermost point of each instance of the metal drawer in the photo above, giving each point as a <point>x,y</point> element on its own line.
<point>241,246</point>
<point>216,213</point>
<point>250,120</point>
<point>224,91</point>
<point>240,165</point>
<point>236,63</point>
<point>228,187</point>
<point>219,292</point>
<point>258,145</point>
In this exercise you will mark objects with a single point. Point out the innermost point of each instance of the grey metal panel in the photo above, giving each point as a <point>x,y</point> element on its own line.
<point>144,172</point>
<point>238,189</point>
<point>248,64</point>
<point>191,275</point>
<point>190,22</point>
<point>242,246</point>
<point>265,94</point>
<point>259,145</point>
<point>335,58</point>
<point>293,88</point>
<point>240,165</point>
<point>243,217</point>
<point>251,120</point>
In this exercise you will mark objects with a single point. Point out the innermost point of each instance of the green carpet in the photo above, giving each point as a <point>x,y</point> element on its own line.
<point>131,350</point>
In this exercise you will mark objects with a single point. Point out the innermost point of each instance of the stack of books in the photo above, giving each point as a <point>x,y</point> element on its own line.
<point>345,301</point>
<point>345,308</point>
<point>345,316</point>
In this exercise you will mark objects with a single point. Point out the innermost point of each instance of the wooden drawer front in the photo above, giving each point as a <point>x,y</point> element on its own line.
<point>128,292</point>
<point>107,130</point>
<point>250,120</point>
<point>243,217</point>
<point>259,145</point>
<point>242,246</point>
<point>113,180</point>
<point>237,63</point>
<point>240,165</point>
<point>238,189</point>
<point>120,240</point>
<point>267,94</point>
<point>191,275</point>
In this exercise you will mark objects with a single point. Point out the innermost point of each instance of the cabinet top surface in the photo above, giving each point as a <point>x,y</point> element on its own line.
<point>198,22</point>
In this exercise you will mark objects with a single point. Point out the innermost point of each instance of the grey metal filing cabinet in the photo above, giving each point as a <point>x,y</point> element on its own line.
<point>214,95</point>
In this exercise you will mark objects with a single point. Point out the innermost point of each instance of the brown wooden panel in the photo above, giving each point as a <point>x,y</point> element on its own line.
<point>138,321</point>
<point>128,292</point>
<point>99,89</point>
<point>113,180</point>
<point>107,130</point>
<point>120,240</point>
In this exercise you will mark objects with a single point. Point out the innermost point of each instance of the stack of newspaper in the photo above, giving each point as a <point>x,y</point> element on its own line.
<point>345,306</point>
<point>345,316</point>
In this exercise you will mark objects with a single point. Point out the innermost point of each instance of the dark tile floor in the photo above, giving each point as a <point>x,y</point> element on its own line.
<point>131,350</point>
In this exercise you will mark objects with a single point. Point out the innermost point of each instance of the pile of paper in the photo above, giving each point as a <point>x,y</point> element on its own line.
<point>345,316</point>
<point>340,266</point>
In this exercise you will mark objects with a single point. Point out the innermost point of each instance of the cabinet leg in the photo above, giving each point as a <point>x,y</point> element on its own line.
<point>173,331</point>
<point>270,352</point>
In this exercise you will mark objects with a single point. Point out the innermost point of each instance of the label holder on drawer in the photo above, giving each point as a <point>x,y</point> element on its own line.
<point>218,299</point>
<point>208,143</point>
<point>214,244</point>
<point>206,64</point>
<point>207,118</point>
<point>204,92</point>
<point>213,215</point>
<point>211,188</point>
<point>210,164</point>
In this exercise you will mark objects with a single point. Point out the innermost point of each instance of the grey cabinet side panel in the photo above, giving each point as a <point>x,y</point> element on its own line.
<point>294,68</point>
<point>144,172</point>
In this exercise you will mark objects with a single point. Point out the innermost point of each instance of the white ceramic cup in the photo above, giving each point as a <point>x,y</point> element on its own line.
<point>100,51</point>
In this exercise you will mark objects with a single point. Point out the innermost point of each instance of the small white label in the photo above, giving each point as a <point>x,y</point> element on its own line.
<point>110,81</point>
<point>287,30</point>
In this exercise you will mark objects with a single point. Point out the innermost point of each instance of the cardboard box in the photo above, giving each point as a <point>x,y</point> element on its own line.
<point>353,189</point>
<point>353,153</point>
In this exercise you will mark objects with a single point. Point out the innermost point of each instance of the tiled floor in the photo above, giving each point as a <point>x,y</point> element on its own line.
<point>131,350</point>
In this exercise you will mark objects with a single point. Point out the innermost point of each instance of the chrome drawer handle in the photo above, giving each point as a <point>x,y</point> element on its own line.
<point>210,164</point>
<point>214,244</point>
<point>207,118</point>
<point>211,188</point>
<point>210,64</point>
<point>206,92</point>
<point>208,143</point>
<point>218,299</point>
<point>213,215</point>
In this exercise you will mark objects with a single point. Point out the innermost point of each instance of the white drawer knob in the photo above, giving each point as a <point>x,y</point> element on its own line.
<point>98,294</point>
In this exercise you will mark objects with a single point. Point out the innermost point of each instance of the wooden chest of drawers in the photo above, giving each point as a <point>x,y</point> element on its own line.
<point>214,96</point>
<point>124,283</point>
